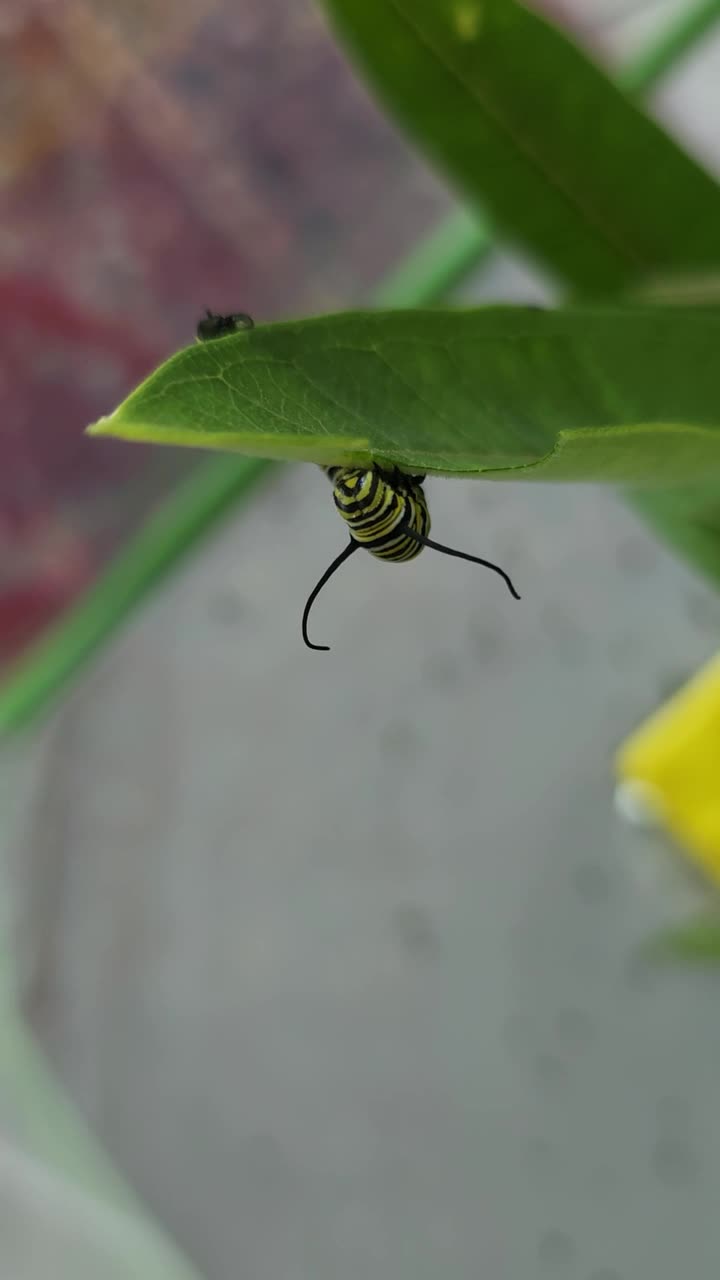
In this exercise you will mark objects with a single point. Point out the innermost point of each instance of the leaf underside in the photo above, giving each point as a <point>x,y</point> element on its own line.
<point>629,396</point>
<point>529,130</point>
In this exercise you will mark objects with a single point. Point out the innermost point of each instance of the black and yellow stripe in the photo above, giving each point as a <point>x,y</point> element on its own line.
<point>385,511</point>
<point>379,508</point>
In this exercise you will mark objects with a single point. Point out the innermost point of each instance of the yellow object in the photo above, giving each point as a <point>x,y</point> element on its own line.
<point>671,766</point>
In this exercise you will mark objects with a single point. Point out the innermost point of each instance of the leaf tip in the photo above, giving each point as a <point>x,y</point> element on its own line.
<point>103,426</point>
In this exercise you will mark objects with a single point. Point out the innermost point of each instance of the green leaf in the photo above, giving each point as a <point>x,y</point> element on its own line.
<point>625,395</point>
<point>696,941</point>
<point>688,519</point>
<point>522,122</point>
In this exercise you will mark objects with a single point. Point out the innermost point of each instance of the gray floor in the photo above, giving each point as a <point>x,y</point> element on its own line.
<point>338,952</point>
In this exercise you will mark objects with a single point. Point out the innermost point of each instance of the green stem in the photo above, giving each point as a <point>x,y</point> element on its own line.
<point>182,519</point>
<point>665,53</point>
<point>438,263</point>
<point>426,275</point>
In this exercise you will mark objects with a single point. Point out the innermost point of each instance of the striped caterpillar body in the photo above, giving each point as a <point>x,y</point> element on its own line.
<point>384,511</point>
<point>379,507</point>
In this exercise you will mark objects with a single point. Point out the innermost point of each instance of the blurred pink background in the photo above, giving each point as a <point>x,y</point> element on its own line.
<point>155,159</point>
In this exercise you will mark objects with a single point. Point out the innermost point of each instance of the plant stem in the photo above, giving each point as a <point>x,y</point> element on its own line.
<point>182,519</point>
<point>663,55</point>
<point>439,262</point>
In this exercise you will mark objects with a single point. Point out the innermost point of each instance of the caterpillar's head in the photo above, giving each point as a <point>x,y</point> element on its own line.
<point>370,487</point>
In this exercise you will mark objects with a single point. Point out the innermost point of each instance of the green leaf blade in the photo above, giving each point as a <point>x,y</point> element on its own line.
<point>694,942</point>
<point>620,395</point>
<point>524,124</point>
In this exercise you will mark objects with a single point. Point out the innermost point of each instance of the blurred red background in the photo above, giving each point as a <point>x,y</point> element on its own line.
<point>155,159</point>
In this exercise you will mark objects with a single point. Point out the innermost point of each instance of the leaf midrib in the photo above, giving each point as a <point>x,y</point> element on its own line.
<point>610,235</point>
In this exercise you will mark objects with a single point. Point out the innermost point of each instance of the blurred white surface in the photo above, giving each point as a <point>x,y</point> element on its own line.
<point>52,1230</point>
<point>65,1214</point>
<point>338,952</point>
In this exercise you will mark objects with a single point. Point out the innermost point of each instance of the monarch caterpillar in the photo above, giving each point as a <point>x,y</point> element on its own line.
<point>385,510</point>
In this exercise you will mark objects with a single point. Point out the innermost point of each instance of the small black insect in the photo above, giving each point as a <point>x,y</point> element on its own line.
<point>216,326</point>
<point>385,511</point>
